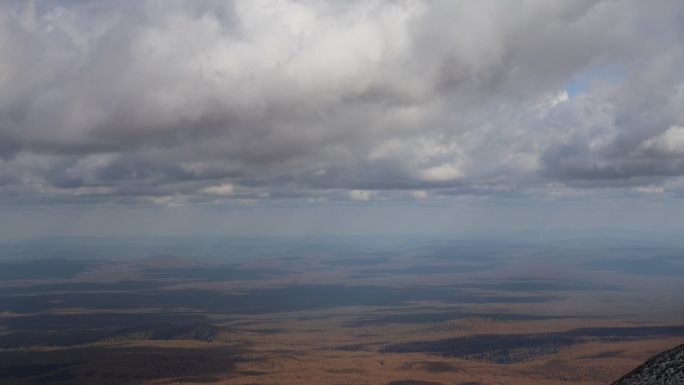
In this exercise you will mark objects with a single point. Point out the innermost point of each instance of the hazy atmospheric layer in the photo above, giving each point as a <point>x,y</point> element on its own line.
<point>276,116</point>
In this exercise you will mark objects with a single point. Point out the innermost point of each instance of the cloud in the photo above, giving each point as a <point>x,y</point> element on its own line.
<point>222,190</point>
<point>299,100</point>
<point>669,143</point>
<point>360,195</point>
<point>419,194</point>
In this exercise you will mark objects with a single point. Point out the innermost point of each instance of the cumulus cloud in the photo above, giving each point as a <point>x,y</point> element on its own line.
<point>669,143</point>
<point>185,102</point>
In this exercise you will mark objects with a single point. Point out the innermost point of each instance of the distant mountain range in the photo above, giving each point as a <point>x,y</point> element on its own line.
<point>666,368</point>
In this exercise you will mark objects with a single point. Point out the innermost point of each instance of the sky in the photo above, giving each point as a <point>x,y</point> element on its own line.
<point>340,117</point>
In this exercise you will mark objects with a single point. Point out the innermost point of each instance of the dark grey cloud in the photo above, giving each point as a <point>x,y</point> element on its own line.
<point>200,102</point>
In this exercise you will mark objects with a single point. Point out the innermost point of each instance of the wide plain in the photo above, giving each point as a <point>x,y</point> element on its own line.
<point>276,312</point>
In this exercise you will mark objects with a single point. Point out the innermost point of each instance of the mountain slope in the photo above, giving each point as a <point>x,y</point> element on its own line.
<point>666,368</point>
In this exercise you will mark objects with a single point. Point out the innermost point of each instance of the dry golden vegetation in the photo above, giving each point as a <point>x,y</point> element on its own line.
<point>321,319</point>
<point>325,354</point>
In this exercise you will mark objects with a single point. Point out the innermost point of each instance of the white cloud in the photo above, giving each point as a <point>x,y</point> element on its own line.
<point>670,142</point>
<point>302,100</point>
<point>169,201</point>
<point>360,195</point>
<point>551,99</point>
<point>419,194</point>
<point>650,189</point>
<point>222,190</point>
<point>441,173</point>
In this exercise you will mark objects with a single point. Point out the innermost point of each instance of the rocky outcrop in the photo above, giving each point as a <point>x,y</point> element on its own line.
<point>666,368</point>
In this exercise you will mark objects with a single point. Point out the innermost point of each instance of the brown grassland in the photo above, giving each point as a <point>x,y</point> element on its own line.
<point>319,319</point>
<point>322,355</point>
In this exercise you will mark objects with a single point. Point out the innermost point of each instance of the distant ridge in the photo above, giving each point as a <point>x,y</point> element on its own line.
<point>166,332</point>
<point>666,368</point>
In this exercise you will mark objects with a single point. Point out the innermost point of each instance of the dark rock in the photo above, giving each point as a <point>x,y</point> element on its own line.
<point>666,368</point>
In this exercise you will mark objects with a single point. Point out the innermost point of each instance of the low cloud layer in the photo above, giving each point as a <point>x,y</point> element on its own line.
<point>181,103</point>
